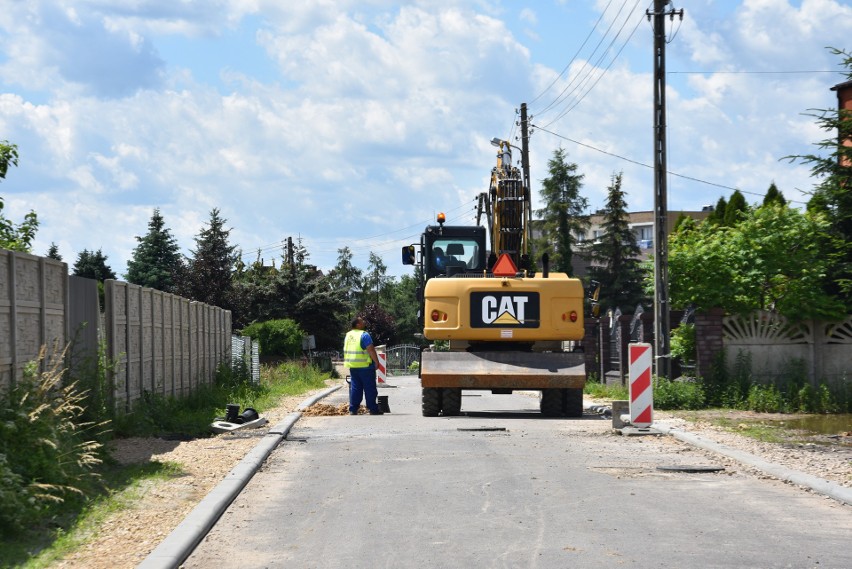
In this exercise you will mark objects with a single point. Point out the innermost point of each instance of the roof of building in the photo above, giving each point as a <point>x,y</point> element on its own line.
<point>843,86</point>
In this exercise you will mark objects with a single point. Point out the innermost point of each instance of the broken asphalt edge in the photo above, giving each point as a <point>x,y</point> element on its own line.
<point>819,485</point>
<point>180,543</point>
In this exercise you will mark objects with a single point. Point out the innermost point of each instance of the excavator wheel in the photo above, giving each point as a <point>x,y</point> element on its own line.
<point>451,401</point>
<point>431,401</point>
<point>572,402</point>
<point>551,402</point>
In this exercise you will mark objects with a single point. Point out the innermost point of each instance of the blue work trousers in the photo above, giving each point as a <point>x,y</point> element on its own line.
<point>362,383</point>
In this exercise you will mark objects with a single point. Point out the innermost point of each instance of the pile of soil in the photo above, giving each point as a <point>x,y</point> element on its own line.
<point>325,410</point>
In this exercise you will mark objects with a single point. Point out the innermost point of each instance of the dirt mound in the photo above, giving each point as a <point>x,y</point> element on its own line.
<point>325,410</point>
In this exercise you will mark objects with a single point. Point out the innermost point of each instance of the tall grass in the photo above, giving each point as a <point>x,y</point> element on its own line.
<point>48,454</point>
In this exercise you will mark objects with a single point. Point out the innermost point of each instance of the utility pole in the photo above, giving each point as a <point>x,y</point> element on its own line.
<point>662,306</point>
<point>525,169</point>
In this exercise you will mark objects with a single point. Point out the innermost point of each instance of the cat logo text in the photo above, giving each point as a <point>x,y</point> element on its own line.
<point>504,310</point>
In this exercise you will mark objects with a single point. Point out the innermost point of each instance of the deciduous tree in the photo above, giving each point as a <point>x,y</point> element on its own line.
<point>772,259</point>
<point>15,237</point>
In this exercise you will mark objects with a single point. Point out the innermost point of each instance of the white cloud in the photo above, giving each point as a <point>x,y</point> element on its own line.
<point>379,115</point>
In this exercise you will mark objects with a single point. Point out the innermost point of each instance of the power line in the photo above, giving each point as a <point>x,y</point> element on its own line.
<point>318,245</point>
<point>574,58</point>
<point>752,72</point>
<point>606,69</point>
<point>669,172</point>
<point>562,97</point>
<point>568,107</point>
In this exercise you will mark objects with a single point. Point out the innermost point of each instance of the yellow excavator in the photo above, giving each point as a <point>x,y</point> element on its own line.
<point>508,328</point>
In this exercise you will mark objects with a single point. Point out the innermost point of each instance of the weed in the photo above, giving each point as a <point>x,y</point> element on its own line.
<point>678,394</point>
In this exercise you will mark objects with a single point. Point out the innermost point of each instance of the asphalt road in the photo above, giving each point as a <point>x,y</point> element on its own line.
<point>504,487</point>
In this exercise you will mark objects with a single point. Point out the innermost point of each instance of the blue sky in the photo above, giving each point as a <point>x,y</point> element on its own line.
<point>352,123</point>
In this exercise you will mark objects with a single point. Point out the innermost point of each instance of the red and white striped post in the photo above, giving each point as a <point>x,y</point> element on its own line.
<point>381,372</point>
<point>641,390</point>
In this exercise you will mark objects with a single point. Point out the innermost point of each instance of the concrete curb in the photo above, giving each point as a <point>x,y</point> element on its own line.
<point>820,485</point>
<point>180,543</point>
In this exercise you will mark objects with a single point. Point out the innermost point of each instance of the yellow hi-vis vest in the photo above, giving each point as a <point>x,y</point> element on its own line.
<point>353,354</point>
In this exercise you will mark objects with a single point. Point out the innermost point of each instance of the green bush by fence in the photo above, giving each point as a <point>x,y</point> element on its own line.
<point>277,337</point>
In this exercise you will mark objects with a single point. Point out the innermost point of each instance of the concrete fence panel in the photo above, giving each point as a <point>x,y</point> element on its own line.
<point>163,344</point>
<point>33,297</point>
<point>776,346</point>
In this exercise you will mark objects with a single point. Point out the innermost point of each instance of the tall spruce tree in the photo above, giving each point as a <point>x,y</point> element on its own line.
<point>717,216</point>
<point>93,265</point>
<point>774,196</point>
<point>832,196</point>
<point>208,277</point>
<point>53,252</point>
<point>156,260</point>
<point>374,279</point>
<point>736,209</point>
<point>348,279</point>
<point>563,215</point>
<point>615,256</point>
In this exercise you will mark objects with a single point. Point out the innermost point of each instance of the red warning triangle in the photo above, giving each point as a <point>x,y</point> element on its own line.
<point>504,267</point>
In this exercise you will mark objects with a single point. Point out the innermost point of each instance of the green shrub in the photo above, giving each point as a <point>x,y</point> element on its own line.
<point>414,367</point>
<point>678,394</point>
<point>277,337</point>
<point>765,399</point>
<point>683,344</point>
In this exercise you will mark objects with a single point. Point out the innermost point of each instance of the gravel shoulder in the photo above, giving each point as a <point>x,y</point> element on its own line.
<point>128,536</point>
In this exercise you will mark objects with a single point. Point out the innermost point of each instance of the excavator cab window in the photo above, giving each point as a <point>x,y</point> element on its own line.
<point>463,254</point>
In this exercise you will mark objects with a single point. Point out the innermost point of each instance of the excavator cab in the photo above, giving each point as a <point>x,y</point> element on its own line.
<point>448,251</point>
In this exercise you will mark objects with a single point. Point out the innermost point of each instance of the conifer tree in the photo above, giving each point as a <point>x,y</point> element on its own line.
<point>92,265</point>
<point>615,256</point>
<point>563,215</point>
<point>348,279</point>
<point>735,209</point>
<point>717,216</point>
<point>53,252</point>
<point>208,276</point>
<point>156,260</point>
<point>774,196</point>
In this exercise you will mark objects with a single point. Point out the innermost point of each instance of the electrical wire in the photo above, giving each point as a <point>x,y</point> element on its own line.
<point>562,95</point>
<point>600,76</point>
<point>574,58</point>
<point>752,72</point>
<point>318,245</point>
<point>669,172</point>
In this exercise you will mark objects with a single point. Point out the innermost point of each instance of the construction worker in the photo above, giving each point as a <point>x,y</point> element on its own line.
<point>359,356</point>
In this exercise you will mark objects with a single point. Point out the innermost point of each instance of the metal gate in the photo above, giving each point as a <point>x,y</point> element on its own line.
<point>400,358</point>
<point>245,357</point>
<point>636,325</point>
<point>615,341</point>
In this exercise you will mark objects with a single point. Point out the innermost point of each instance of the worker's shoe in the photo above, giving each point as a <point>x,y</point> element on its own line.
<point>377,412</point>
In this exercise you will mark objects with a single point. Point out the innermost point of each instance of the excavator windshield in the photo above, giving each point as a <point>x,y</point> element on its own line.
<point>455,252</point>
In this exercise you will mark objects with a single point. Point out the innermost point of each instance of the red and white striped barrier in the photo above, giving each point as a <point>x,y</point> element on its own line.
<point>382,371</point>
<point>641,390</point>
